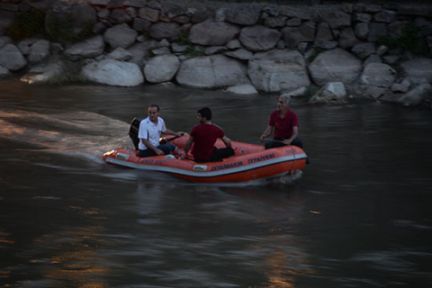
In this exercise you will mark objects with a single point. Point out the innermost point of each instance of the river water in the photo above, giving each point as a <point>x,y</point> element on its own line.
<point>360,215</point>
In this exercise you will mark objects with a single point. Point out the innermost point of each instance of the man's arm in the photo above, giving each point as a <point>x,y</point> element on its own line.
<point>151,147</point>
<point>293,136</point>
<point>267,132</point>
<point>227,141</point>
<point>188,145</point>
<point>171,132</point>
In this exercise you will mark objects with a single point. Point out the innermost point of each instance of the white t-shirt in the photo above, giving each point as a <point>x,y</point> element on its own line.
<point>150,131</point>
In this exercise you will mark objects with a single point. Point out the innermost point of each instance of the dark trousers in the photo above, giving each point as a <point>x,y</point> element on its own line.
<point>167,148</point>
<point>218,155</point>
<point>278,143</point>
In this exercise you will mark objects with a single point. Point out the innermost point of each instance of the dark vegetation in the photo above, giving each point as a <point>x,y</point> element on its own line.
<point>410,39</point>
<point>61,29</point>
<point>27,24</point>
<point>36,23</point>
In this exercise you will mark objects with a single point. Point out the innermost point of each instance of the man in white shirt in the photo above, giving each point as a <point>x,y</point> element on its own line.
<point>150,130</point>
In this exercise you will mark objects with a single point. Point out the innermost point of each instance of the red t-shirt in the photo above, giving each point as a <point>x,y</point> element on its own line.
<point>205,136</point>
<point>283,127</point>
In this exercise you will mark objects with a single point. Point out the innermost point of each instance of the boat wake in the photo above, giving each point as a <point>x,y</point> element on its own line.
<point>83,134</point>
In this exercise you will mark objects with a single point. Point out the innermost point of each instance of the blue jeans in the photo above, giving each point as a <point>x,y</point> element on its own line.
<point>167,148</point>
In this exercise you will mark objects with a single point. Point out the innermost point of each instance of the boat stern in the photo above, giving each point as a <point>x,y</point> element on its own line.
<point>115,154</point>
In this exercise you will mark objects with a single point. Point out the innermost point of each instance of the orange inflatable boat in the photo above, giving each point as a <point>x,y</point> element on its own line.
<point>250,162</point>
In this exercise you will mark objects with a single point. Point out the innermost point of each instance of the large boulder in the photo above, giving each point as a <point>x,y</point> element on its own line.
<point>211,72</point>
<point>121,15</point>
<point>418,70</point>
<point>120,36</point>
<point>335,17</point>
<point>386,16</point>
<point>3,72</point>
<point>259,38</point>
<point>416,96</point>
<point>243,15</point>
<point>377,31</point>
<point>25,45</point>
<point>361,30</point>
<point>335,65</point>
<point>113,72</point>
<point>242,89</point>
<point>298,11</point>
<point>324,33</point>
<point>278,70</point>
<point>149,14</point>
<point>4,40</point>
<point>402,86</point>
<point>161,68</point>
<point>333,92</point>
<point>11,58</point>
<point>141,25</point>
<point>91,47</point>
<point>39,51</point>
<point>240,54</point>
<point>347,38</point>
<point>378,74</point>
<point>162,30</point>
<point>199,13</point>
<point>364,50</point>
<point>120,54</point>
<point>295,35</point>
<point>275,22</point>
<point>141,51</point>
<point>212,33</point>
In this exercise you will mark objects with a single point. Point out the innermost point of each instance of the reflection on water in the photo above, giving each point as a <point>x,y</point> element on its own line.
<point>280,272</point>
<point>77,262</point>
<point>359,216</point>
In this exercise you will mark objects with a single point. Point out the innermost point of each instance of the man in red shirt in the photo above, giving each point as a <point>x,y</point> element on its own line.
<point>283,125</point>
<point>204,136</point>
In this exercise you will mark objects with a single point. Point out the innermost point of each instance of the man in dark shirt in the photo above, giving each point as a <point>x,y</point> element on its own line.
<point>283,125</point>
<point>204,136</point>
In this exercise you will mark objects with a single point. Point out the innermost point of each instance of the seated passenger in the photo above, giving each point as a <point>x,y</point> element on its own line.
<point>204,136</point>
<point>150,130</point>
<point>283,126</point>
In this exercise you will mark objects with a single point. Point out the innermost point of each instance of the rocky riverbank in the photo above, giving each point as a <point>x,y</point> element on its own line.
<point>328,53</point>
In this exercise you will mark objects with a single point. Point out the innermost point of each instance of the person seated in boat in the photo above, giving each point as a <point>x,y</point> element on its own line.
<point>150,130</point>
<point>283,126</point>
<point>204,136</point>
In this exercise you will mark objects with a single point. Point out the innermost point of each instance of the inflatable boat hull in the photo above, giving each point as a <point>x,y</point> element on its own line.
<point>250,162</point>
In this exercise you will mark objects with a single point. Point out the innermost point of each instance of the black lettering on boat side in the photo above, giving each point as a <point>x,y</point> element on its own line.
<point>227,166</point>
<point>261,158</point>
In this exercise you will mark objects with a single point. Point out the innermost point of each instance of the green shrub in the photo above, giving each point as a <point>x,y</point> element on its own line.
<point>409,40</point>
<point>183,38</point>
<point>61,29</point>
<point>27,24</point>
<point>194,52</point>
<point>313,54</point>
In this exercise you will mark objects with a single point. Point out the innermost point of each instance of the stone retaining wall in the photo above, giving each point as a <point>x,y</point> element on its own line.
<point>359,49</point>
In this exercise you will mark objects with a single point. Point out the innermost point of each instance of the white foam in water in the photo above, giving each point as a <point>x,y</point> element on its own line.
<point>84,134</point>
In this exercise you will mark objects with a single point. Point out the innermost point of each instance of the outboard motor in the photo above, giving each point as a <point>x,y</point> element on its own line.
<point>133,131</point>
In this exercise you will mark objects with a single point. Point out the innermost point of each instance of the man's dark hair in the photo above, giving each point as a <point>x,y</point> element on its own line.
<point>154,106</point>
<point>206,113</point>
